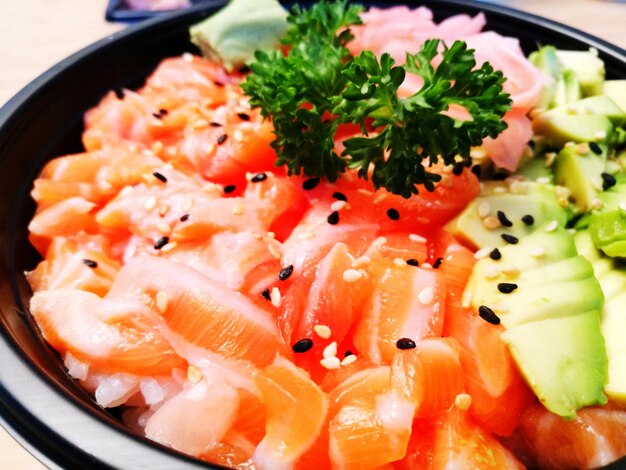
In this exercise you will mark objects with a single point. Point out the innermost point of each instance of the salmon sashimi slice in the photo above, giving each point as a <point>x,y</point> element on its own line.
<point>181,422</point>
<point>592,440</point>
<point>296,410</point>
<point>113,334</point>
<point>405,302</point>
<point>201,311</point>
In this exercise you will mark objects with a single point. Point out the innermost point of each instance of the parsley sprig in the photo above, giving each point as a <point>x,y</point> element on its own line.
<point>318,85</point>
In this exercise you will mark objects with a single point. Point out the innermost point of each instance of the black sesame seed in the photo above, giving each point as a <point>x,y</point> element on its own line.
<point>229,188</point>
<point>184,218</point>
<point>348,353</point>
<point>218,83</point>
<point>163,112</point>
<point>340,196</point>
<point>507,287</point>
<point>243,116</point>
<point>531,144</point>
<point>333,218</point>
<point>457,169</point>
<point>412,262</point>
<point>495,254</point>
<point>91,263</point>
<point>258,178</point>
<point>595,148</point>
<point>608,181</point>
<point>528,219</point>
<point>119,93</point>
<point>504,219</point>
<point>157,115</point>
<point>161,242</point>
<point>310,183</point>
<point>405,343</point>
<point>266,294</point>
<point>302,346</point>
<point>500,176</point>
<point>221,139</point>
<point>393,214</point>
<point>509,238</point>
<point>284,273</point>
<point>437,263</point>
<point>488,315</point>
<point>215,124</point>
<point>160,177</point>
<point>477,170</point>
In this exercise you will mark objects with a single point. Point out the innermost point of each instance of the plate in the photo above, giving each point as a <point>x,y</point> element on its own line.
<point>40,404</point>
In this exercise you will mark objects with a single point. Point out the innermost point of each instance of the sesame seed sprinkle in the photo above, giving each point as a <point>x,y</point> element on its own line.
<point>466,300</point>
<point>426,295</point>
<point>506,287</point>
<point>393,214</point>
<point>349,359</point>
<point>215,124</point>
<point>426,265</point>
<point>511,271</point>
<point>484,209</point>
<point>405,343</point>
<point>380,241</point>
<point>513,240</point>
<point>552,226</point>
<point>597,204</point>
<point>528,219</point>
<point>595,148</point>
<point>330,350</point>
<point>330,363</point>
<point>194,375</point>
<point>504,219</point>
<point>491,222</point>
<point>352,275</point>
<point>243,116</point>
<point>90,263</point>
<point>322,331</point>
<point>417,238</point>
<point>488,315</point>
<point>437,263</point>
<point>184,218</point>
<point>338,205</point>
<point>310,183</point>
<point>151,203</point>
<point>169,247</point>
<point>380,197</point>
<point>538,251</point>
<point>491,272</point>
<point>229,188</point>
<point>221,139</point>
<point>284,273</point>
<point>622,206</point>
<point>608,181</point>
<point>340,196</point>
<point>361,262</point>
<point>482,253</point>
<point>266,294</point>
<point>412,262</point>
<point>238,209</point>
<point>275,297</point>
<point>333,218</point>
<point>399,262</point>
<point>302,346</point>
<point>463,401</point>
<point>161,301</point>
<point>495,254</point>
<point>258,178</point>
<point>161,242</point>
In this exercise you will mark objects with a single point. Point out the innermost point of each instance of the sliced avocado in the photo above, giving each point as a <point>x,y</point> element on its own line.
<point>515,200</point>
<point>545,59</point>
<point>563,360</point>
<point>567,89</point>
<point>616,90</point>
<point>600,104</point>
<point>612,279</point>
<point>558,127</point>
<point>608,231</point>
<point>588,68</point>
<point>579,169</point>
<point>535,169</point>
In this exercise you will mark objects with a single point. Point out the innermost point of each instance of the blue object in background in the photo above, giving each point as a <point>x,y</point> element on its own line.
<point>119,11</point>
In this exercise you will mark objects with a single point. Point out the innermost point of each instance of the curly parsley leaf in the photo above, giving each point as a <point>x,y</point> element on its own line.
<point>318,85</point>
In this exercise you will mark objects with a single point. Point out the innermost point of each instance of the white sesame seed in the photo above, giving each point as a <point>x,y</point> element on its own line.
<point>330,350</point>
<point>426,266</point>
<point>239,209</point>
<point>482,253</point>
<point>571,231</point>
<point>238,135</point>
<point>582,149</point>
<point>499,190</point>
<point>569,145</point>
<point>600,135</point>
<point>187,57</point>
<point>519,187</point>
<point>597,204</point>
<point>365,192</point>
<point>491,272</point>
<point>361,262</point>
<point>330,363</point>
<point>274,250</point>
<point>426,295</point>
<point>417,238</point>
<point>199,124</point>
<point>562,191</point>
<point>151,203</point>
<point>194,375</point>
<point>271,235</point>
<point>622,206</point>
<point>552,226</point>
<point>484,209</point>
<point>550,157</point>
<point>463,401</point>
<point>275,297</point>
<point>126,190</point>
<point>163,209</point>
<point>157,147</point>
<point>399,262</point>
<point>161,301</point>
<point>596,182</point>
<point>478,154</point>
<point>306,236</point>
<point>169,247</point>
<point>543,180</point>
<point>380,197</point>
<point>510,271</point>
<point>380,241</point>
<point>491,222</point>
<point>466,300</point>
<point>337,205</point>
<point>322,331</point>
<point>352,275</point>
<point>351,359</point>
<point>187,205</point>
<point>208,148</point>
<point>163,228</point>
<point>538,251</point>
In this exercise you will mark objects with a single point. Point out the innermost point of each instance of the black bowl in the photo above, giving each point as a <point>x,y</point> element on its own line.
<point>39,402</point>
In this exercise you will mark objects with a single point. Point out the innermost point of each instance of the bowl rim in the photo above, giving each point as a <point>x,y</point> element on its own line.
<point>28,424</point>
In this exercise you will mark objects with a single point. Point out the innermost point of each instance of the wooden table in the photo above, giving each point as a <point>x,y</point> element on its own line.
<point>35,34</point>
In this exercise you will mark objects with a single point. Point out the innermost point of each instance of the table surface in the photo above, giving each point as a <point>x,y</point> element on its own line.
<point>35,34</point>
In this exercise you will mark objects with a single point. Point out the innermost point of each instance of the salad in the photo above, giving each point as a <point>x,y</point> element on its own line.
<point>360,246</point>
